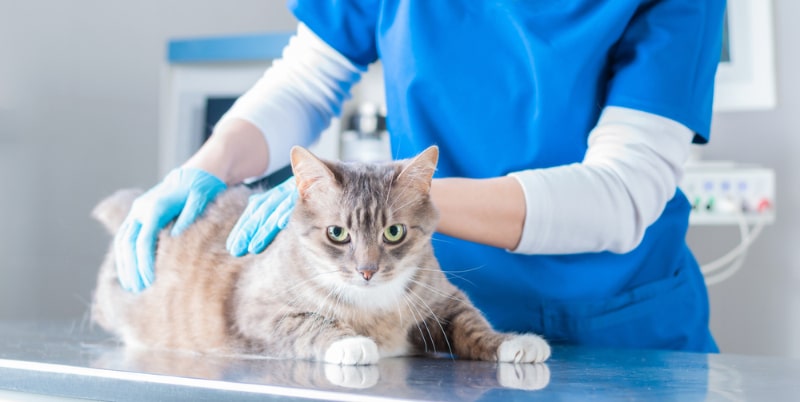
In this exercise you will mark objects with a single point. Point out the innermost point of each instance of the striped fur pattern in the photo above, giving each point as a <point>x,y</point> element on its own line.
<point>351,301</point>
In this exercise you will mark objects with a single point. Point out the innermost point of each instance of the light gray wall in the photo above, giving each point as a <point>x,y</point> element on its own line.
<point>78,118</point>
<point>79,92</point>
<point>757,311</point>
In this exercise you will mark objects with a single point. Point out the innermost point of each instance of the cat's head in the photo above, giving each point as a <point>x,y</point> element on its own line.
<point>365,226</point>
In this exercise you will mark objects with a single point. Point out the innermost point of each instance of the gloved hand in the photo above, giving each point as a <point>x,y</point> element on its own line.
<point>266,214</point>
<point>184,193</point>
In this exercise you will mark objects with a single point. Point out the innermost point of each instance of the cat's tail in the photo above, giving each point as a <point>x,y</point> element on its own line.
<point>112,210</point>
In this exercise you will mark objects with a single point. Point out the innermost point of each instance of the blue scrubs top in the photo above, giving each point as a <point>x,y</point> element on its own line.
<point>508,85</point>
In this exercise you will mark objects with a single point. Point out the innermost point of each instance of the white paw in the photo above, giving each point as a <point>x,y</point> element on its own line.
<point>352,351</point>
<point>527,348</point>
<point>359,377</point>
<point>529,377</point>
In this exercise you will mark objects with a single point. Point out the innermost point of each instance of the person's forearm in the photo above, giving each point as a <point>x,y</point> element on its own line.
<point>487,211</point>
<point>295,99</point>
<point>235,151</point>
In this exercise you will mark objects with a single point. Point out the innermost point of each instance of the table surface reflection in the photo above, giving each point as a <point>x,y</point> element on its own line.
<point>73,360</point>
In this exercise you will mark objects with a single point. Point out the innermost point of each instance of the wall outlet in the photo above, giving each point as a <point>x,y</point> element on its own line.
<point>725,193</point>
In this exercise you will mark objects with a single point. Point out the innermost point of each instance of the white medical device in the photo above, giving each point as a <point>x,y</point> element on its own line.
<point>727,193</point>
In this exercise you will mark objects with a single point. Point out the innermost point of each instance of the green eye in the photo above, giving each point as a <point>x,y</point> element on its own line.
<point>394,234</point>
<point>338,234</point>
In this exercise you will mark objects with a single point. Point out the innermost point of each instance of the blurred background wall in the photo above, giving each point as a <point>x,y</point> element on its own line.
<point>79,102</point>
<point>79,93</point>
<point>757,311</point>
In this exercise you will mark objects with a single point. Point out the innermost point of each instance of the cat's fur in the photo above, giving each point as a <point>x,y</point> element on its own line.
<point>305,296</point>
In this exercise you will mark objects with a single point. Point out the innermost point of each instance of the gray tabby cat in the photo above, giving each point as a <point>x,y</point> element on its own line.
<point>351,279</point>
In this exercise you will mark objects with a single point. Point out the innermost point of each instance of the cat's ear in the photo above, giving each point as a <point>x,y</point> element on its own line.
<point>309,170</point>
<point>418,171</point>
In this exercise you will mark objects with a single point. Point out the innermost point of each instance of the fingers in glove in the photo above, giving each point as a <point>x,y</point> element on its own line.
<point>125,255</point>
<point>259,207</point>
<point>145,254</point>
<point>195,205</point>
<point>266,233</point>
<point>240,235</point>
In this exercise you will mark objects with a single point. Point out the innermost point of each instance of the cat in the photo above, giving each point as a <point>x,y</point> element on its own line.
<point>351,279</point>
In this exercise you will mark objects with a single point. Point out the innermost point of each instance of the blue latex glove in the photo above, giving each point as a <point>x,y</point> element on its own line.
<point>266,214</point>
<point>184,193</point>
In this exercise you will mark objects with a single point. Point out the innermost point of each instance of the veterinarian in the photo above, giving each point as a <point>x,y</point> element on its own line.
<point>563,128</point>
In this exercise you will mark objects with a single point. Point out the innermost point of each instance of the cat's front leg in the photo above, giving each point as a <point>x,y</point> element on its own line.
<point>354,350</point>
<point>473,338</point>
<point>304,335</point>
<point>524,348</point>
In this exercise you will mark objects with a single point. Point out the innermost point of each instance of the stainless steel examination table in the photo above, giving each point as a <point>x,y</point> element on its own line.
<point>72,360</point>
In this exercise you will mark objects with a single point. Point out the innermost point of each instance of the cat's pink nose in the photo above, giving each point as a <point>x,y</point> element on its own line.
<point>367,271</point>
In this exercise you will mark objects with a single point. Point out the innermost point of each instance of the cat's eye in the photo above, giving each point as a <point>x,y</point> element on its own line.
<point>338,234</point>
<point>394,234</point>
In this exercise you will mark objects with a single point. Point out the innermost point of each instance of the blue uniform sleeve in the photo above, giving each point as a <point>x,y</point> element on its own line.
<point>666,60</point>
<point>349,26</point>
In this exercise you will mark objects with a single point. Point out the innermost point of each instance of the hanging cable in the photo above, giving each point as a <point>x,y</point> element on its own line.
<point>726,266</point>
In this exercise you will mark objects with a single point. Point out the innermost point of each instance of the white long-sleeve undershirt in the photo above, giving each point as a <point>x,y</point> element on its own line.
<point>632,166</point>
<point>296,98</point>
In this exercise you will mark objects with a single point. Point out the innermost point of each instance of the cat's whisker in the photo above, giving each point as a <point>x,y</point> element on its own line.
<point>424,321</point>
<point>317,319</point>
<point>436,319</point>
<point>413,177</point>
<point>398,196</point>
<point>455,274</point>
<point>337,299</point>
<point>302,283</point>
<point>335,295</point>
<point>462,271</point>
<point>288,308</point>
<point>413,311</point>
<point>440,240</point>
<point>464,279</point>
<point>289,305</point>
<point>399,308</point>
<point>437,291</point>
<point>389,191</point>
<point>401,207</point>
